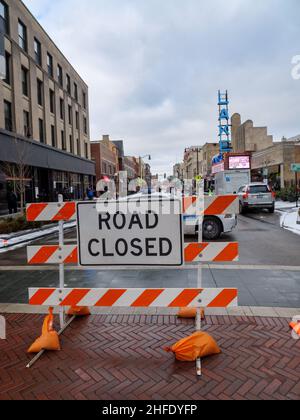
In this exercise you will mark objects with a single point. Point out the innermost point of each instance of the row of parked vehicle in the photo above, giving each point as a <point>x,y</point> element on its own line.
<point>251,196</point>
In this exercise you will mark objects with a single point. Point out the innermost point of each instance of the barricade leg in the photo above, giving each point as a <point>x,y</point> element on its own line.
<point>200,213</point>
<point>61,266</point>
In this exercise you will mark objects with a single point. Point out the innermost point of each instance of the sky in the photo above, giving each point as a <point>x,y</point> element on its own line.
<point>154,67</point>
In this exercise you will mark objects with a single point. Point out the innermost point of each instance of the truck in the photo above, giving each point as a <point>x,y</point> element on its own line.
<point>230,181</point>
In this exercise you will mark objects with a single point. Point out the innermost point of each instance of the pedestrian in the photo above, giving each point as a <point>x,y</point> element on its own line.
<point>12,202</point>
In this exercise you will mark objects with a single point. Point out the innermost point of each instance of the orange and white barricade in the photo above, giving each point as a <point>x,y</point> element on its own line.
<point>213,206</point>
<point>135,298</point>
<point>199,297</point>
<point>193,253</point>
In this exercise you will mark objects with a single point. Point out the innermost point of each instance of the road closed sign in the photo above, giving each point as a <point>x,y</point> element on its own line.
<point>130,233</point>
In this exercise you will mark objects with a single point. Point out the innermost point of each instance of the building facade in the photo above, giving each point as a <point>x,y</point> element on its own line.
<point>247,138</point>
<point>193,157</point>
<point>44,110</point>
<point>105,154</point>
<point>274,163</point>
<point>131,166</point>
<point>177,171</point>
<point>209,151</point>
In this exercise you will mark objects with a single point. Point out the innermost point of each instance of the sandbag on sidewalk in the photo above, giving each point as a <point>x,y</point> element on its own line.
<point>49,339</point>
<point>190,313</point>
<point>189,349</point>
<point>79,311</point>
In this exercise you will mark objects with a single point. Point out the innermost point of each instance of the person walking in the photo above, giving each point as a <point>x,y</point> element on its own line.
<point>12,202</point>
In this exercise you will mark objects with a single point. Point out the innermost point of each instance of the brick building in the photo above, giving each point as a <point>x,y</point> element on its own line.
<point>44,110</point>
<point>105,154</point>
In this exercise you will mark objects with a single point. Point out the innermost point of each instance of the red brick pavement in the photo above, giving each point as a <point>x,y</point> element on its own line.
<point>121,357</point>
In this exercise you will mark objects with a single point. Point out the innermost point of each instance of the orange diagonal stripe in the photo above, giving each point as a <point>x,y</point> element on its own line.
<point>75,297</point>
<point>34,210</point>
<point>65,213</point>
<point>185,298</point>
<point>224,299</point>
<point>41,296</point>
<point>192,251</point>
<point>110,298</point>
<point>219,205</point>
<point>43,255</point>
<point>147,298</point>
<point>72,258</point>
<point>188,202</point>
<point>230,253</point>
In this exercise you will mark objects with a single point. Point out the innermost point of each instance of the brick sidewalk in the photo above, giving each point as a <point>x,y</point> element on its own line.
<point>121,357</point>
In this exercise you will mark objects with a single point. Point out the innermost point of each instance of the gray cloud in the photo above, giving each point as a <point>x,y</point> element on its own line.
<point>154,67</point>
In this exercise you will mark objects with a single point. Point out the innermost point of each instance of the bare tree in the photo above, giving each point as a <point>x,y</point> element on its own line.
<point>18,172</point>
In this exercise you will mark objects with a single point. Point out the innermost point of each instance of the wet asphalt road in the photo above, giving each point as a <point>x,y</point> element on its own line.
<point>262,243</point>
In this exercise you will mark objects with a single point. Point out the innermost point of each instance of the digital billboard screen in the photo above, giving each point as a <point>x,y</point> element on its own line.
<point>239,162</point>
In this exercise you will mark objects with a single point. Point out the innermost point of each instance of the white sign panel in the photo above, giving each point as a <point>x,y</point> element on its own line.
<point>130,233</point>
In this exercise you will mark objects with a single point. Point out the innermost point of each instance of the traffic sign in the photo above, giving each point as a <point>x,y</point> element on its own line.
<point>130,233</point>
<point>295,167</point>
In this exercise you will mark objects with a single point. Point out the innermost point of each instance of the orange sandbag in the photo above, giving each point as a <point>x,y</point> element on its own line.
<point>79,311</point>
<point>191,348</point>
<point>190,313</point>
<point>296,327</point>
<point>49,339</point>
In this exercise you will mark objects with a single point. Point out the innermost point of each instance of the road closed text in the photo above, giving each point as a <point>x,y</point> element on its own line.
<point>147,247</point>
<point>128,239</point>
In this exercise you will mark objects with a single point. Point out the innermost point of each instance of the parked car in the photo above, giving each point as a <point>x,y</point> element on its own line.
<point>256,196</point>
<point>213,226</point>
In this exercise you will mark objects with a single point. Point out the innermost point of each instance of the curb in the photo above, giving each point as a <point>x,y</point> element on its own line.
<point>244,311</point>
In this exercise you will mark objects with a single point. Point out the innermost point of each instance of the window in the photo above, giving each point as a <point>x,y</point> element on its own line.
<point>27,131</point>
<point>5,16</point>
<point>75,92</point>
<point>68,82</point>
<point>52,101</point>
<point>85,125</point>
<point>53,136</point>
<point>40,95</point>
<point>41,130</point>
<point>37,52</point>
<point>258,189</point>
<point>61,108</point>
<point>8,116</point>
<point>7,79</point>
<point>71,144</point>
<point>24,78</point>
<point>60,75</point>
<point>22,30</point>
<point>86,151</point>
<point>70,114</point>
<point>77,120</point>
<point>50,64</point>
<point>78,147</point>
<point>84,99</point>
<point>63,143</point>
